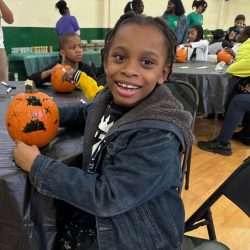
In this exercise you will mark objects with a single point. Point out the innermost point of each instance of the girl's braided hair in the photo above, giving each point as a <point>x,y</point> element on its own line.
<point>158,22</point>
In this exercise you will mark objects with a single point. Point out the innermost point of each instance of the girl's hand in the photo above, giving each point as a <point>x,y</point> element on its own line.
<point>187,45</point>
<point>68,75</point>
<point>48,72</point>
<point>25,155</point>
<point>181,46</point>
<point>230,51</point>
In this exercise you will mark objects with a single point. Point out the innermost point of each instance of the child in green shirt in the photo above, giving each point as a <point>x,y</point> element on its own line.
<point>196,17</point>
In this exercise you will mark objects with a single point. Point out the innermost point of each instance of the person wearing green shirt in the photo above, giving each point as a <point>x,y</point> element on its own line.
<point>196,17</point>
<point>177,21</point>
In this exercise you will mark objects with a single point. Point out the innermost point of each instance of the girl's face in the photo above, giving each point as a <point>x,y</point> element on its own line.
<point>171,7</point>
<point>239,24</point>
<point>72,50</point>
<point>192,35</point>
<point>201,9</point>
<point>232,35</point>
<point>136,63</point>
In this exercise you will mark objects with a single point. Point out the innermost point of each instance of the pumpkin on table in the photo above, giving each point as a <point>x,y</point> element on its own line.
<point>181,55</point>
<point>224,56</point>
<point>32,117</point>
<point>57,82</point>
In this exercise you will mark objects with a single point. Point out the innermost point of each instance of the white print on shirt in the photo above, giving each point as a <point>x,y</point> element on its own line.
<point>102,130</point>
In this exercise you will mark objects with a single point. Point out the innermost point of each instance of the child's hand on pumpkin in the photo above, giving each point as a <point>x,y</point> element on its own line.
<point>25,155</point>
<point>187,45</point>
<point>230,51</point>
<point>181,46</point>
<point>68,75</point>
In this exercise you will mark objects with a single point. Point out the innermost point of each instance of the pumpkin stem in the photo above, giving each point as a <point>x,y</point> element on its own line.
<point>29,86</point>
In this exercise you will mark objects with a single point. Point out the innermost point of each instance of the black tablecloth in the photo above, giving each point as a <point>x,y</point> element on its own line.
<point>27,218</point>
<point>213,86</point>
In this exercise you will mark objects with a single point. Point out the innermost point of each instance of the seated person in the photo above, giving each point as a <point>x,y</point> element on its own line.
<point>217,42</point>
<point>234,31</point>
<point>239,105</point>
<point>197,48</point>
<point>71,52</point>
<point>240,67</point>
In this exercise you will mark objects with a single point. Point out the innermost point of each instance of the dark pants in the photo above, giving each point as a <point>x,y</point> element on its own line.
<point>239,105</point>
<point>76,228</point>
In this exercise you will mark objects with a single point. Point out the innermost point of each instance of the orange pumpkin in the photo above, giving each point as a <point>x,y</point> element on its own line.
<point>181,55</point>
<point>32,117</point>
<point>224,56</point>
<point>58,84</point>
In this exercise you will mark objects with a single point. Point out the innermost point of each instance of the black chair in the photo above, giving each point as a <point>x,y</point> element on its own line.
<point>193,243</point>
<point>237,189</point>
<point>188,96</point>
<point>101,80</point>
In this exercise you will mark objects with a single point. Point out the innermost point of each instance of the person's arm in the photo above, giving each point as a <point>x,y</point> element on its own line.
<point>230,51</point>
<point>199,44</point>
<point>74,116</point>
<point>87,84</point>
<point>100,194</point>
<point>78,32</point>
<point>240,68</point>
<point>76,26</point>
<point>70,117</point>
<point>6,13</point>
<point>43,76</point>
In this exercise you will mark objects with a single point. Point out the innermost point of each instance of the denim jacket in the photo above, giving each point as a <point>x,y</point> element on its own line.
<point>130,185</point>
<point>182,28</point>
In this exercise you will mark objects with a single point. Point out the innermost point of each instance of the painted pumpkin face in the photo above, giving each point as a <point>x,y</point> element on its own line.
<point>58,84</point>
<point>32,118</point>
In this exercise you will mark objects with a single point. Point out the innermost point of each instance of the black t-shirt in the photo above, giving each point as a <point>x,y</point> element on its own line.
<point>76,227</point>
<point>112,113</point>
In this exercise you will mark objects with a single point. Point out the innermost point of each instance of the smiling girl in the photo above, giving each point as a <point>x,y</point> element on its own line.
<point>197,48</point>
<point>134,134</point>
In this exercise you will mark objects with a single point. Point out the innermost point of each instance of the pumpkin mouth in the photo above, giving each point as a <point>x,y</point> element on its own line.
<point>34,125</point>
